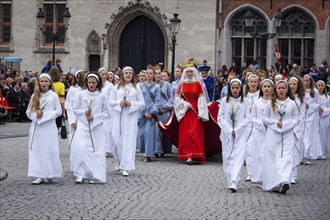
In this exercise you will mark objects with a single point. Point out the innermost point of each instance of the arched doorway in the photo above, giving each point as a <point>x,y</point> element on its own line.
<point>141,43</point>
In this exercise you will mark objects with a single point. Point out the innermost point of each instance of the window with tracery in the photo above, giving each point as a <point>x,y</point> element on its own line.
<point>245,48</point>
<point>296,38</point>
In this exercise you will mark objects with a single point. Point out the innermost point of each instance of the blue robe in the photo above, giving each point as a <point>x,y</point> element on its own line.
<point>151,99</point>
<point>209,83</point>
<point>166,103</point>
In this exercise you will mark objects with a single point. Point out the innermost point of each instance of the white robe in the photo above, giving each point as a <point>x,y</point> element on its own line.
<point>252,97</point>
<point>91,165</point>
<point>44,157</point>
<point>324,124</point>
<point>125,121</point>
<point>313,148</point>
<point>70,103</point>
<point>298,150</point>
<point>233,150</point>
<point>277,160</point>
<point>107,89</point>
<point>258,138</point>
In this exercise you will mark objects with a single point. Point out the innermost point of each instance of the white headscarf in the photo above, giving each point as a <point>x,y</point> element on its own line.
<point>196,77</point>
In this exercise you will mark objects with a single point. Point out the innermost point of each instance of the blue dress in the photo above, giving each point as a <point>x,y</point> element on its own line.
<point>151,95</point>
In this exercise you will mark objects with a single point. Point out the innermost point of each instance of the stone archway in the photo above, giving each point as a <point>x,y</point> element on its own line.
<point>123,18</point>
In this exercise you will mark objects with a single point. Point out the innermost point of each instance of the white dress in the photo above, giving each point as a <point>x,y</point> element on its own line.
<point>258,138</point>
<point>91,164</point>
<point>125,120</point>
<point>324,124</point>
<point>298,150</point>
<point>312,144</point>
<point>44,156</point>
<point>277,161</point>
<point>250,129</point>
<point>107,89</point>
<point>233,149</point>
<point>70,103</point>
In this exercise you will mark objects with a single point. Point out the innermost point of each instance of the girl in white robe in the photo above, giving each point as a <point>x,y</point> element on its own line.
<point>281,116</point>
<point>313,148</point>
<point>252,94</point>
<point>232,119</point>
<point>127,103</point>
<point>70,103</point>
<point>92,110</point>
<point>324,111</point>
<point>43,109</point>
<point>107,89</point>
<point>258,136</point>
<point>297,87</point>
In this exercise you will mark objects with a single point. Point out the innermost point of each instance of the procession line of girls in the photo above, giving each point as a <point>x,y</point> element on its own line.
<point>88,111</point>
<point>272,133</point>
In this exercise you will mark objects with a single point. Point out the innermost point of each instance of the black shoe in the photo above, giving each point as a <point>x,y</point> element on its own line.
<point>284,187</point>
<point>233,190</point>
<point>3,175</point>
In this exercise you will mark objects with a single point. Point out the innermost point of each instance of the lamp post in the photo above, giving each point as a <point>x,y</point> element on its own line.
<point>53,35</point>
<point>175,24</point>
<point>249,22</point>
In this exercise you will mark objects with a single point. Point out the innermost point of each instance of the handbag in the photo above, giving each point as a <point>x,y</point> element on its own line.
<point>64,133</point>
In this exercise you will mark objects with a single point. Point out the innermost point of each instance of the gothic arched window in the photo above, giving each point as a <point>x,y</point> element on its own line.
<point>245,48</point>
<point>296,37</point>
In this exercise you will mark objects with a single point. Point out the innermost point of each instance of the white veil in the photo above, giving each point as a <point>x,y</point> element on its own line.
<point>197,77</point>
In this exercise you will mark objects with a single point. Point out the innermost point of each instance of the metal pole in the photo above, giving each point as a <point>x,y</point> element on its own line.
<point>173,57</point>
<point>54,39</point>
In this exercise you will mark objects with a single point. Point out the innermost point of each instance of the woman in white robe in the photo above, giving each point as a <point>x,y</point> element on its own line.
<point>127,103</point>
<point>281,116</point>
<point>258,136</point>
<point>92,110</point>
<point>70,103</point>
<point>297,87</point>
<point>252,94</point>
<point>312,143</point>
<point>107,89</point>
<point>232,119</point>
<point>43,109</point>
<point>324,111</point>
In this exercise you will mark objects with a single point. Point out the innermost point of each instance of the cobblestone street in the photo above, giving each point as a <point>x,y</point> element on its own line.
<point>162,189</point>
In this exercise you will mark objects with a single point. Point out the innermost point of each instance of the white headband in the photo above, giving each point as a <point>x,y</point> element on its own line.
<point>253,75</point>
<point>93,75</point>
<point>294,78</point>
<point>309,76</point>
<point>320,81</point>
<point>267,80</point>
<point>282,81</point>
<point>278,75</point>
<point>76,74</point>
<point>117,77</point>
<point>45,75</point>
<point>235,80</point>
<point>127,68</point>
<point>110,73</point>
<point>101,69</point>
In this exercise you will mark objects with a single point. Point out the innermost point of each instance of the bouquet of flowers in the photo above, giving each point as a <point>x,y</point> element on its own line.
<point>40,108</point>
<point>233,124</point>
<point>89,107</point>
<point>280,109</point>
<point>125,96</point>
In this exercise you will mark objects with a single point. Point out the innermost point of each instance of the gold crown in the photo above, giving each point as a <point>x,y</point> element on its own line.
<point>150,67</point>
<point>189,63</point>
<point>157,67</point>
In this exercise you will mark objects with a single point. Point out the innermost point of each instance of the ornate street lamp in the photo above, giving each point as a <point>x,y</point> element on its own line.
<point>175,24</point>
<point>53,35</point>
<point>249,22</point>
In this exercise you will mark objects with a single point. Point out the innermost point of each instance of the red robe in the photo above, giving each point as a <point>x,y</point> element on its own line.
<point>191,132</point>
